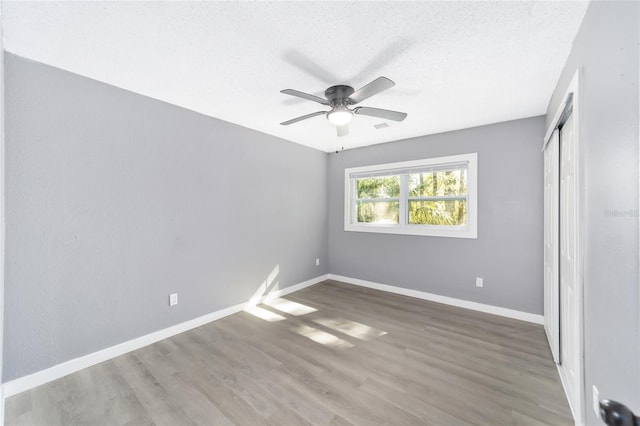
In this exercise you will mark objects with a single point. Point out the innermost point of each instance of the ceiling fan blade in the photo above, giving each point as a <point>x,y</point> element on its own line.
<point>304,117</point>
<point>303,95</point>
<point>373,88</point>
<point>381,113</point>
<point>343,130</point>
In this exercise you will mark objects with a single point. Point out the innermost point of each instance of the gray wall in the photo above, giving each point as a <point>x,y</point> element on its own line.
<point>2,208</point>
<point>508,251</point>
<point>115,200</point>
<point>606,49</point>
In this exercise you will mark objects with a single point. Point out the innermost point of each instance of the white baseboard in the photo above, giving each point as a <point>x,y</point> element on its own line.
<point>490,309</point>
<point>31,381</point>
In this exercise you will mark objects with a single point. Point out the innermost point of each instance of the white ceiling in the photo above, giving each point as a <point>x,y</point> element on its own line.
<point>456,64</point>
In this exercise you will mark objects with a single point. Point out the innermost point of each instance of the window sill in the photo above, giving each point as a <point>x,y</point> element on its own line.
<point>425,231</point>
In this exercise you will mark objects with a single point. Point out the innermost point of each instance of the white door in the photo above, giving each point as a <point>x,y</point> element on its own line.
<point>551,237</point>
<point>570,291</point>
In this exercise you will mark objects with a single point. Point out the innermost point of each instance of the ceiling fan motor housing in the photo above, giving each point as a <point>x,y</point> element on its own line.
<point>338,94</point>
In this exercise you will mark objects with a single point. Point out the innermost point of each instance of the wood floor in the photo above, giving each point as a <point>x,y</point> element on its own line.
<point>332,354</point>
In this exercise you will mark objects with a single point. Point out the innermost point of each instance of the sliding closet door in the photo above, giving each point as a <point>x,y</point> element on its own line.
<point>570,294</point>
<point>563,293</point>
<point>551,244</point>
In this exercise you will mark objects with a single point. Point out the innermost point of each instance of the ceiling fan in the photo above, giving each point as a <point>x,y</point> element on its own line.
<point>340,97</point>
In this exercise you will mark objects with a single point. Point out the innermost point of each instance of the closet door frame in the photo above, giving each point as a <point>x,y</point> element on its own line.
<point>571,103</point>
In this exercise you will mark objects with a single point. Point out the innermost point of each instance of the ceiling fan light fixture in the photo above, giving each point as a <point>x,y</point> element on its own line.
<point>339,116</point>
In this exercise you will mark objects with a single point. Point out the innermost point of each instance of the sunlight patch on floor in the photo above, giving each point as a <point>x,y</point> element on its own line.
<point>290,307</point>
<point>351,328</point>
<point>264,314</point>
<point>322,337</point>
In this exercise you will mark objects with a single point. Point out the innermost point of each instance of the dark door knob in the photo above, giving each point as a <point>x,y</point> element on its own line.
<point>615,414</point>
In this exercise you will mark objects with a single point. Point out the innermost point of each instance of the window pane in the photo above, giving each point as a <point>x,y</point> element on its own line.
<point>452,212</point>
<point>438,183</point>
<point>379,212</point>
<point>379,187</point>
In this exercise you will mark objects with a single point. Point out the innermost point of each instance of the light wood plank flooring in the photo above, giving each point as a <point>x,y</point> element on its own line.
<point>332,354</point>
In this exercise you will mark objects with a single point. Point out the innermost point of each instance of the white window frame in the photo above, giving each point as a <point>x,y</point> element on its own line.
<point>470,230</point>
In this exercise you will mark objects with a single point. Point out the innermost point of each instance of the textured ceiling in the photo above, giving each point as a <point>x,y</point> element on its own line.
<point>456,64</point>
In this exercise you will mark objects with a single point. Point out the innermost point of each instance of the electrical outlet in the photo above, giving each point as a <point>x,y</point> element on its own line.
<point>173,299</point>
<point>596,401</point>
<point>317,261</point>
<point>479,282</point>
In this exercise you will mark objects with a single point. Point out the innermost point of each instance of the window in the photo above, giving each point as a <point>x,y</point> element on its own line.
<point>434,196</point>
